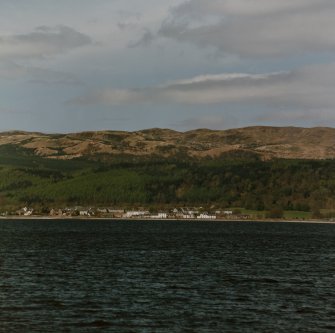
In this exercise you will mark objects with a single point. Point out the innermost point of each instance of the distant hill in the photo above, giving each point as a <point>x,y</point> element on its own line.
<point>264,142</point>
<point>255,168</point>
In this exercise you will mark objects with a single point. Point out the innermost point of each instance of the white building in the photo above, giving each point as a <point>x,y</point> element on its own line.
<point>136,213</point>
<point>188,216</point>
<point>25,211</point>
<point>159,216</point>
<point>206,217</point>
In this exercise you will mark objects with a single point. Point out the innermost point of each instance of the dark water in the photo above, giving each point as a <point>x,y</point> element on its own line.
<point>87,276</point>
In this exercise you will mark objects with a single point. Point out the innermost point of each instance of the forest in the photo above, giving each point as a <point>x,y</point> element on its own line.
<point>233,180</point>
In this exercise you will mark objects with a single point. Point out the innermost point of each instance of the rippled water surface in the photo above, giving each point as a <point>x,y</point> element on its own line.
<point>113,276</point>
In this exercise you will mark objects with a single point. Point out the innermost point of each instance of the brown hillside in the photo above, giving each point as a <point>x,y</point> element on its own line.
<point>267,142</point>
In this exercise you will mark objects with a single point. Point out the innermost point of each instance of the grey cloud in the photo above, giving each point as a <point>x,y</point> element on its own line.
<point>146,39</point>
<point>127,14</point>
<point>13,71</point>
<point>44,41</point>
<point>127,25</point>
<point>215,122</point>
<point>201,8</point>
<point>254,27</point>
<point>113,97</point>
<point>306,88</point>
<point>205,89</point>
<point>320,117</point>
<point>129,20</point>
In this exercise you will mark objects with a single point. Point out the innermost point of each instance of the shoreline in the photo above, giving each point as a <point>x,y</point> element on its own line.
<point>75,218</point>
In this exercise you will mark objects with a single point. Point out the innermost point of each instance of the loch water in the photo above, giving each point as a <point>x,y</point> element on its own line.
<point>166,276</point>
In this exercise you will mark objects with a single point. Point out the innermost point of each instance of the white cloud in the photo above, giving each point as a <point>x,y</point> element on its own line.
<point>204,89</point>
<point>306,88</point>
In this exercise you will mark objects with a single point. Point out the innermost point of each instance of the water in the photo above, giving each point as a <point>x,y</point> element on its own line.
<point>104,276</point>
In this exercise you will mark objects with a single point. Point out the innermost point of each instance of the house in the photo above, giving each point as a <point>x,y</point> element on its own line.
<point>189,211</point>
<point>188,216</point>
<point>84,213</point>
<point>206,216</point>
<point>25,211</point>
<point>118,213</point>
<point>159,216</point>
<point>56,212</point>
<point>136,213</point>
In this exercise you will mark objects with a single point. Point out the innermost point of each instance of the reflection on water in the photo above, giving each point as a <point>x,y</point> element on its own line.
<point>104,276</point>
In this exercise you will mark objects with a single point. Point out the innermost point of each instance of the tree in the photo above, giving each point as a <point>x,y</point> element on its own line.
<point>275,213</point>
<point>316,214</point>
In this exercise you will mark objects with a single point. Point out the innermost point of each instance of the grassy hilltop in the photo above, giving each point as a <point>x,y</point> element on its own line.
<point>256,168</point>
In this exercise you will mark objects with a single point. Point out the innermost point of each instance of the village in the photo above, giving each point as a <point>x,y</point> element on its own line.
<point>183,213</point>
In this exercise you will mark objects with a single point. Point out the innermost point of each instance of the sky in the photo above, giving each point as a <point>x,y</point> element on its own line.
<point>76,65</point>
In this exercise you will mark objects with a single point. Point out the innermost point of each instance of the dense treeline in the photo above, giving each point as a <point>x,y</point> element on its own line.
<point>233,181</point>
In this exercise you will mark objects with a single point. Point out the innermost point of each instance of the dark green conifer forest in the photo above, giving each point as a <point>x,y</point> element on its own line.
<point>234,180</point>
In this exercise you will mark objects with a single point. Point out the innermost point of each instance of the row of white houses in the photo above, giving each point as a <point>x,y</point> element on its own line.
<point>176,213</point>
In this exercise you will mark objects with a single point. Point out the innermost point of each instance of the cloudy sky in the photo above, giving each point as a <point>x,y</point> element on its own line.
<point>71,65</point>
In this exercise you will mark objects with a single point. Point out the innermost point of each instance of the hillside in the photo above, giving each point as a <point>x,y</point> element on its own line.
<point>255,168</point>
<point>265,142</point>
